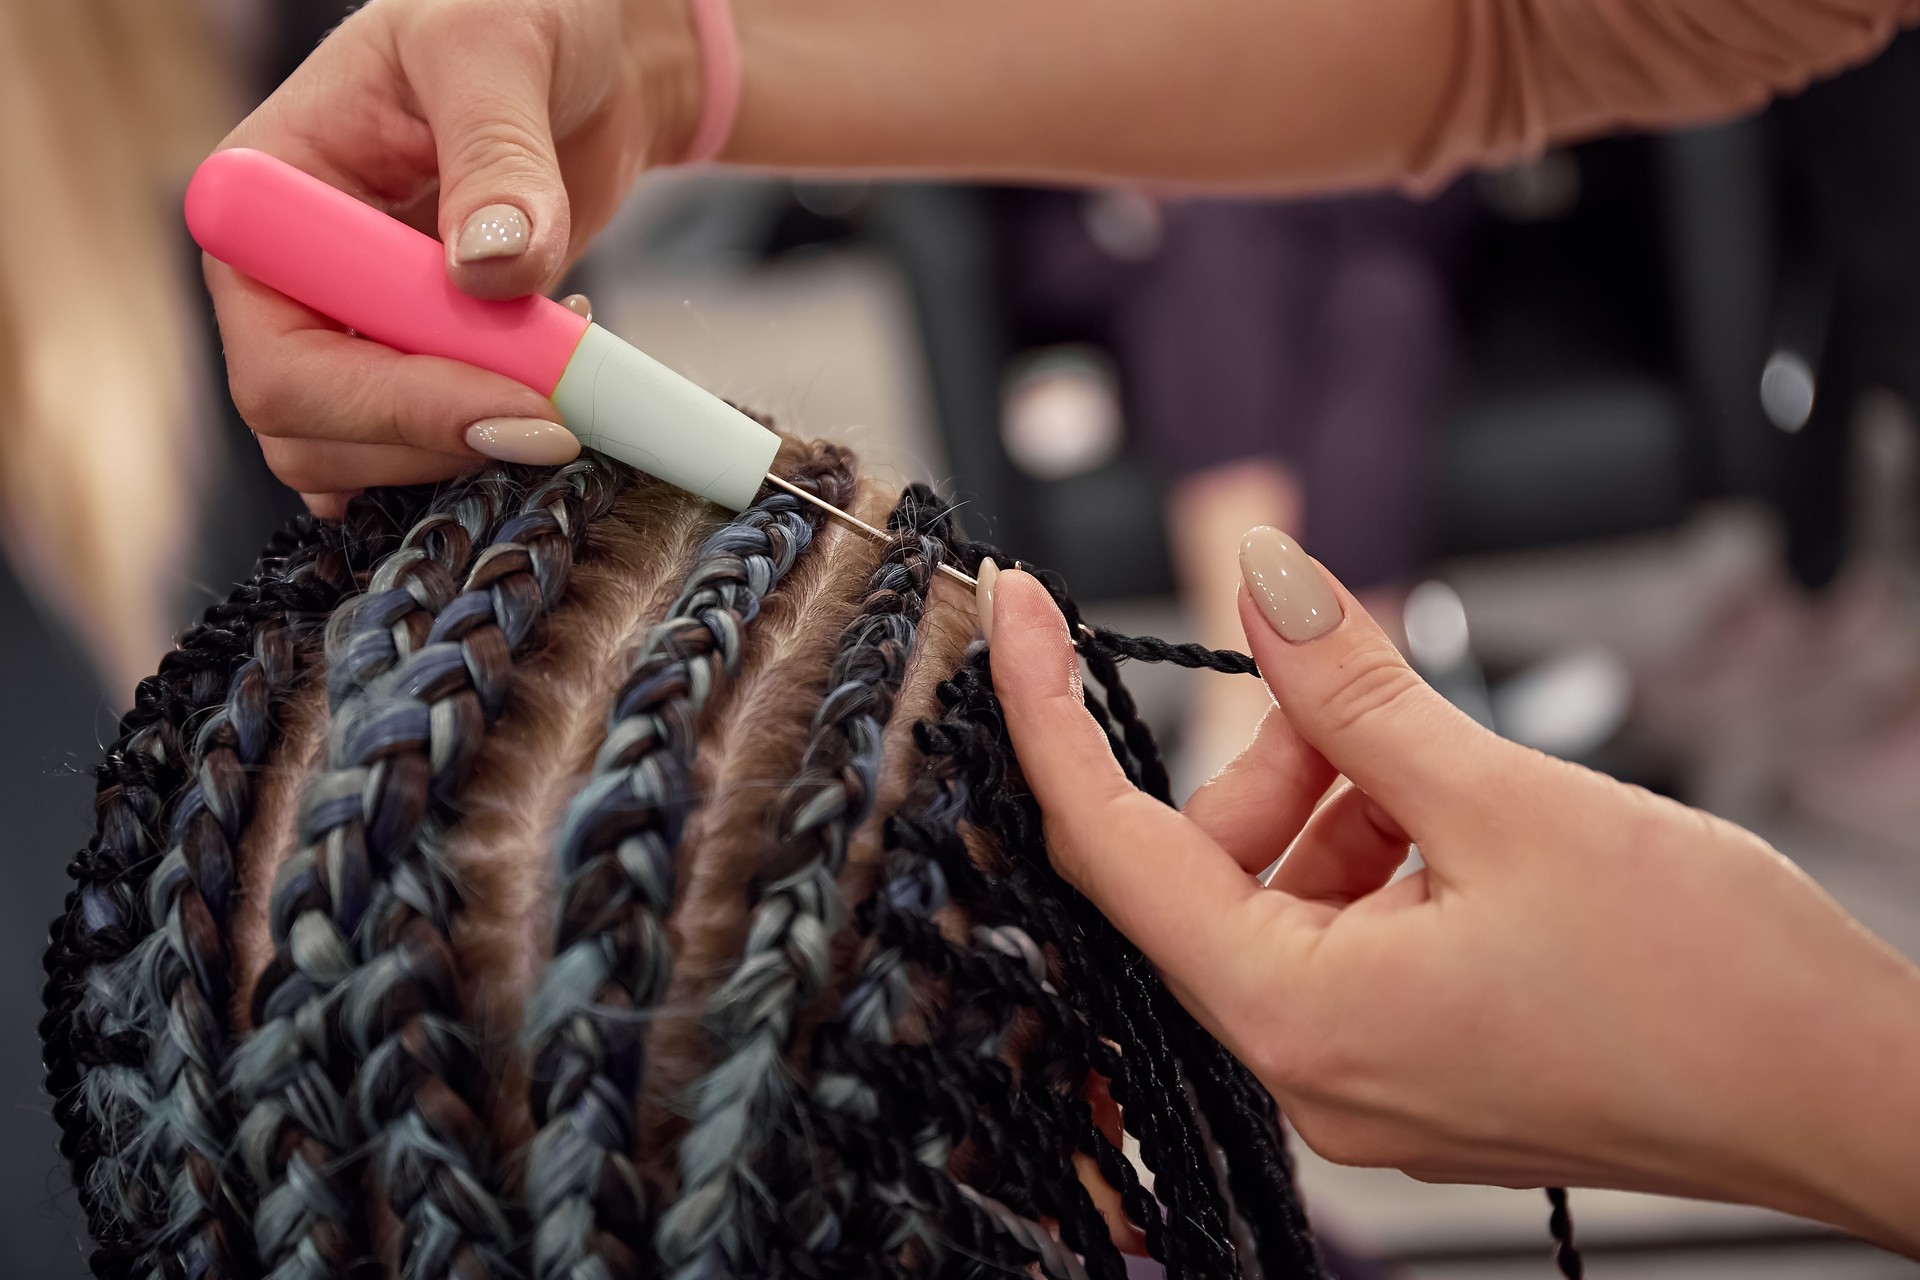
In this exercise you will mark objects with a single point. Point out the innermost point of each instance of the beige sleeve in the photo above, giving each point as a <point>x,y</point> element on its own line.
<point>1529,72</point>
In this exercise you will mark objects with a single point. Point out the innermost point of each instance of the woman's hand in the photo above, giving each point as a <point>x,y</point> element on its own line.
<point>1585,984</point>
<point>510,129</point>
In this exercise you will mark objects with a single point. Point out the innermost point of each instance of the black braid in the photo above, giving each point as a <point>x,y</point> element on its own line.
<point>299,1137</point>
<point>303,572</point>
<point>1260,1173</point>
<point>865,1068</point>
<point>1560,1223</point>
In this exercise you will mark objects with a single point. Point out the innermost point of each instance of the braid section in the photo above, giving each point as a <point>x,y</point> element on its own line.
<point>617,853</point>
<point>299,1136</point>
<point>420,1091</point>
<point>93,1032</point>
<point>714,1228</point>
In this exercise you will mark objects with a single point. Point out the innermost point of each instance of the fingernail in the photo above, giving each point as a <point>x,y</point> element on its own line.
<point>530,440</point>
<point>1289,588</point>
<point>579,304</point>
<point>984,577</point>
<point>497,231</point>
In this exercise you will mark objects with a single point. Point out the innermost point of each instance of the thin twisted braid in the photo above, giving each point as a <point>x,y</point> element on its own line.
<point>929,856</point>
<point>616,855</point>
<point>863,1066</point>
<point>1256,1161</point>
<point>184,965</point>
<point>1259,1185</point>
<point>413,733</point>
<point>298,1136</point>
<point>94,1057</point>
<point>1115,994</point>
<point>714,1228</point>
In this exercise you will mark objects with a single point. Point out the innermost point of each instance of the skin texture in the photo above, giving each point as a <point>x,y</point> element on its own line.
<point>1586,984</point>
<point>438,109</point>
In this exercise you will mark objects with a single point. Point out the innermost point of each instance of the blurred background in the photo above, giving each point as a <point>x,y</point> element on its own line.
<point>1622,445</point>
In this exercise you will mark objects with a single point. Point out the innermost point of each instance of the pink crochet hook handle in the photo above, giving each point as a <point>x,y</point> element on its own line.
<point>372,273</point>
<point>384,280</point>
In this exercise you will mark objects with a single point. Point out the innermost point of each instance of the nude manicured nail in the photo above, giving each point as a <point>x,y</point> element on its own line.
<point>985,577</point>
<point>530,440</point>
<point>497,231</point>
<point>1288,586</point>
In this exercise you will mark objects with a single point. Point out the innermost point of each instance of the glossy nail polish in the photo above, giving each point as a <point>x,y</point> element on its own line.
<point>531,440</point>
<point>986,576</point>
<point>1290,588</point>
<point>496,231</point>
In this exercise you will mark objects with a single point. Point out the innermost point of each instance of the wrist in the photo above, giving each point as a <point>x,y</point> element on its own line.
<point>1838,1146</point>
<point>664,60</point>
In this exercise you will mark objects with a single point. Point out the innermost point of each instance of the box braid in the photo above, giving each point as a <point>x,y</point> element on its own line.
<point>413,733</point>
<point>299,1137</point>
<point>616,856</point>
<point>713,1229</point>
<point>950,1088</point>
<point>94,1057</point>
<point>182,966</point>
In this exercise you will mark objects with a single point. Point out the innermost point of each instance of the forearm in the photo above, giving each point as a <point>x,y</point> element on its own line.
<point>1252,95</point>
<point>1242,93</point>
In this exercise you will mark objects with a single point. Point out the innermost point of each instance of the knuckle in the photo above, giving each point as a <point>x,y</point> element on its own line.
<point>1376,685</point>
<point>256,398</point>
<point>510,147</point>
<point>293,463</point>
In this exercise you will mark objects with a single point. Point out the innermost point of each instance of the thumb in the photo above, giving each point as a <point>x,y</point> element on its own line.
<point>1347,691</point>
<point>483,81</point>
<point>1181,898</point>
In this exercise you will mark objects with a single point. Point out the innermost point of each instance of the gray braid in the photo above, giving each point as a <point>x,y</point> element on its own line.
<point>616,853</point>
<point>420,1090</point>
<point>298,1138</point>
<point>713,1229</point>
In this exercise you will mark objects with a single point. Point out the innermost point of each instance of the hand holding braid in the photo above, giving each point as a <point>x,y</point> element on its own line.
<point>713,1229</point>
<point>616,855</point>
<point>298,1137</point>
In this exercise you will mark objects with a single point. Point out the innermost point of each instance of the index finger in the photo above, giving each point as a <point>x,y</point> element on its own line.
<point>296,374</point>
<point>1176,894</point>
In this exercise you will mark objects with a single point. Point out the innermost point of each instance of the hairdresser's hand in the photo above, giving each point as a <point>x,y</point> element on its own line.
<point>508,128</point>
<point>1586,984</point>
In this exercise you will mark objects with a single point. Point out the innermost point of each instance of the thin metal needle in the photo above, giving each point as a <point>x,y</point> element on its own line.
<point>855,522</point>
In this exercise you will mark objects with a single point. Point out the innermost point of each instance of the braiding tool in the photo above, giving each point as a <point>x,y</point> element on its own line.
<point>388,282</point>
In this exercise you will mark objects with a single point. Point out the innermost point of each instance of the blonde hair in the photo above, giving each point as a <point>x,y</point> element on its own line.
<point>107,105</point>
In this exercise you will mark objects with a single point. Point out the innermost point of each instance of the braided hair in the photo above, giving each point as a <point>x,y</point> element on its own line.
<point>95,1031</point>
<point>549,876</point>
